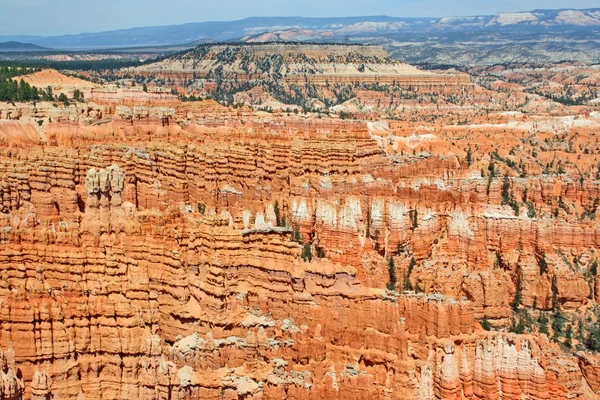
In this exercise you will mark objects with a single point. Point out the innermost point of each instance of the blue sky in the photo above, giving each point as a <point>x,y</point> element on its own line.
<point>55,17</point>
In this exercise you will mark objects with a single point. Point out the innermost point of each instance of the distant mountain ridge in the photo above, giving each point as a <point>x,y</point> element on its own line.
<point>536,21</point>
<point>20,47</point>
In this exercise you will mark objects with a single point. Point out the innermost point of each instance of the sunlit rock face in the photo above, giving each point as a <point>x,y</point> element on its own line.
<point>157,249</point>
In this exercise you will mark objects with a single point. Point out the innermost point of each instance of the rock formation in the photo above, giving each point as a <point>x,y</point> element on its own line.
<point>223,253</point>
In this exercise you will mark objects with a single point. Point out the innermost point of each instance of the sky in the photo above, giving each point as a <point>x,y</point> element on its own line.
<point>58,17</point>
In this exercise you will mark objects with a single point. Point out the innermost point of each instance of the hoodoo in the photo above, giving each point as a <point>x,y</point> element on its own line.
<point>300,221</point>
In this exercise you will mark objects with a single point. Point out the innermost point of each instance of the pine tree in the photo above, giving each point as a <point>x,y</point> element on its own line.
<point>492,169</point>
<point>307,253</point>
<point>392,273</point>
<point>63,98</point>
<point>543,324</point>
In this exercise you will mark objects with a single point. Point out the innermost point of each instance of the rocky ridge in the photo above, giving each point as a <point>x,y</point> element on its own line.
<point>153,248</point>
<point>154,266</point>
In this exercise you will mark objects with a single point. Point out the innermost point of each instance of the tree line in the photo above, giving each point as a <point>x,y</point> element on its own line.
<point>13,90</point>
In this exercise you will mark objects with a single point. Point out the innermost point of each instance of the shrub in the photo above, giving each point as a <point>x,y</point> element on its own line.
<point>485,324</point>
<point>517,325</point>
<point>592,341</point>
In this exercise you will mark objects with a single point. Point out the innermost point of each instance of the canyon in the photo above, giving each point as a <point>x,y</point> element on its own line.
<point>338,225</point>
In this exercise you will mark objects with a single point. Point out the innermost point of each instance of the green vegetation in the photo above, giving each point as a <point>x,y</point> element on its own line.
<point>485,324</point>
<point>569,336</point>
<point>469,157</point>
<point>63,99</point>
<point>507,195</point>
<point>561,327</point>
<point>592,340</point>
<point>77,95</point>
<point>517,325</point>
<point>307,252</point>
<point>411,266</point>
<point>11,90</point>
<point>79,65</point>
<point>558,324</point>
<point>543,324</point>
<point>569,98</point>
<point>296,237</point>
<point>531,213</point>
<point>522,322</point>
<point>593,271</point>
<point>492,169</point>
<point>391,285</point>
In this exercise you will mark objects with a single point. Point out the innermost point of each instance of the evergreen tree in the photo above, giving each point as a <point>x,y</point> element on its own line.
<point>296,237</point>
<point>392,273</point>
<point>558,324</point>
<point>517,325</point>
<point>543,324</point>
<point>48,95</point>
<point>492,169</point>
<point>307,253</point>
<point>569,336</point>
<point>64,99</point>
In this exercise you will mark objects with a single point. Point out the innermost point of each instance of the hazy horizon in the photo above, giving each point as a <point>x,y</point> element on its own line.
<point>39,17</point>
